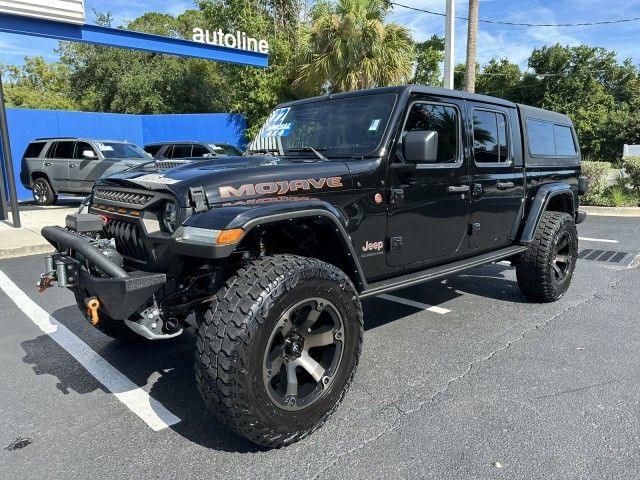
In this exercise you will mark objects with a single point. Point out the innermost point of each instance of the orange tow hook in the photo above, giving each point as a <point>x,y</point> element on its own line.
<point>92,304</point>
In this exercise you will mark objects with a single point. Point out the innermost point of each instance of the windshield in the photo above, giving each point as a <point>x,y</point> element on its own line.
<point>350,125</point>
<point>224,149</point>
<point>121,150</point>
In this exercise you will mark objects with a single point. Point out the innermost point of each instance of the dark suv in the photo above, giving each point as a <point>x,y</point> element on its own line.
<point>51,166</point>
<point>191,149</point>
<point>339,198</point>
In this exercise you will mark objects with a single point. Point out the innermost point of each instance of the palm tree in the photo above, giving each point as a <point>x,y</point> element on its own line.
<point>349,46</point>
<point>472,43</point>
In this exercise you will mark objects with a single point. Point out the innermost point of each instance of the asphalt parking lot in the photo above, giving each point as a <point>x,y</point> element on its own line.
<point>458,379</point>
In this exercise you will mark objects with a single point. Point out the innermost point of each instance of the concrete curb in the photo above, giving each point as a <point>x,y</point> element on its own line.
<point>611,211</point>
<point>25,251</point>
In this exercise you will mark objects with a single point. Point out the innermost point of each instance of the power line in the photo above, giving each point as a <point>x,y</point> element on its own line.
<point>499,22</point>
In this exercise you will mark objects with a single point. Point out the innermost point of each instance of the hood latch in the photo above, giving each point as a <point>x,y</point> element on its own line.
<point>198,199</point>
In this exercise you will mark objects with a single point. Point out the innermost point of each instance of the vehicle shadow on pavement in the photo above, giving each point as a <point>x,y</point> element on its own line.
<point>489,281</point>
<point>168,364</point>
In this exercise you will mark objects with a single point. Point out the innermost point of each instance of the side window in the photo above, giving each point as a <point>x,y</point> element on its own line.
<point>51,152</point>
<point>550,139</point>
<point>181,151</point>
<point>199,151</point>
<point>444,120</point>
<point>64,150</point>
<point>81,147</point>
<point>168,152</point>
<point>33,150</point>
<point>490,137</point>
<point>564,140</point>
<point>152,149</point>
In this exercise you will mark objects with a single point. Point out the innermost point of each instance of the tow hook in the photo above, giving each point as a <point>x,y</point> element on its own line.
<point>92,304</point>
<point>46,281</point>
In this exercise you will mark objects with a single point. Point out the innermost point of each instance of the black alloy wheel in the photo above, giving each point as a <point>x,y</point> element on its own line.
<point>303,353</point>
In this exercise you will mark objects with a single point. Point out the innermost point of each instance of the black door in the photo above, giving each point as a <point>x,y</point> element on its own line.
<point>498,178</point>
<point>429,201</point>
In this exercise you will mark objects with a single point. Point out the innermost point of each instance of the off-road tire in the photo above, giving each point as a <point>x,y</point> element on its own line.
<point>47,194</point>
<point>115,329</point>
<point>234,334</point>
<point>535,266</point>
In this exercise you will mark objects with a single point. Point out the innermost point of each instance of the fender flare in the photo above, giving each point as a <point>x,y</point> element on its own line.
<point>251,217</point>
<point>539,205</point>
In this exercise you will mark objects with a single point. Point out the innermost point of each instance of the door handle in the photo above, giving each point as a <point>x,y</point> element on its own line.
<point>72,165</point>
<point>47,164</point>
<point>458,189</point>
<point>505,185</point>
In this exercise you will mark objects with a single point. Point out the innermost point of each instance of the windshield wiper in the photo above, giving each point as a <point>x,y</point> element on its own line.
<point>310,149</point>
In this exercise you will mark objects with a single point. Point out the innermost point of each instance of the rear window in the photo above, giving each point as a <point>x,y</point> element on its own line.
<point>550,139</point>
<point>34,149</point>
<point>489,136</point>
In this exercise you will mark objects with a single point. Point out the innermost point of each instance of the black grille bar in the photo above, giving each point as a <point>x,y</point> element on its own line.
<point>128,239</point>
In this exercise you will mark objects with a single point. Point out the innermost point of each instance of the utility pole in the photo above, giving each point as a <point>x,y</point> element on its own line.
<point>449,43</point>
<point>472,42</point>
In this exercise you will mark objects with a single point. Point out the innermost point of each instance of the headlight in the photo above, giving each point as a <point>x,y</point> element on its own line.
<point>206,236</point>
<point>170,217</point>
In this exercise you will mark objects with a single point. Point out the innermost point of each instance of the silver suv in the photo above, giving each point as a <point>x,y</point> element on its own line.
<point>71,165</point>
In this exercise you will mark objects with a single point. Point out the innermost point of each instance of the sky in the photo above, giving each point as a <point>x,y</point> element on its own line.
<point>494,41</point>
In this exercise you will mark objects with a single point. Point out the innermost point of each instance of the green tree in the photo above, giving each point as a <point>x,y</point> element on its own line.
<point>253,91</point>
<point>349,45</point>
<point>499,78</point>
<point>38,84</point>
<point>588,84</point>
<point>116,80</point>
<point>429,56</point>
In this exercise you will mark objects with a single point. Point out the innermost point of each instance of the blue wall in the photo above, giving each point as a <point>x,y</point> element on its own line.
<point>25,125</point>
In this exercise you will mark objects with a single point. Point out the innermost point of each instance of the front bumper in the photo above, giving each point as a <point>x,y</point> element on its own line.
<point>120,292</point>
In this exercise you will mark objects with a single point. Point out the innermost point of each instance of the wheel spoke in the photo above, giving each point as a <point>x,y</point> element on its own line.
<point>311,366</point>
<point>557,270</point>
<point>562,258</point>
<point>311,319</point>
<point>319,339</point>
<point>276,364</point>
<point>292,380</point>
<point>563,243</point>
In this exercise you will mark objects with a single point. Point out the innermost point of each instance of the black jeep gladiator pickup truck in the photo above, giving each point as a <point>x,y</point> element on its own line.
<point>339,198</point>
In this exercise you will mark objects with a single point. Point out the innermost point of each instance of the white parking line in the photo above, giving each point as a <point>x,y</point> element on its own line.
<point>152,412</point>
<point>411,303</point>
<point>603,240</point>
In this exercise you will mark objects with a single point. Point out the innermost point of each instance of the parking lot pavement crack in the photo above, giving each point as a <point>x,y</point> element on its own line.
<point>470,367</point>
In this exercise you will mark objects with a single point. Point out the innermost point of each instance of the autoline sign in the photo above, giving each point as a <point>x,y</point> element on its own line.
<point>232,40</point>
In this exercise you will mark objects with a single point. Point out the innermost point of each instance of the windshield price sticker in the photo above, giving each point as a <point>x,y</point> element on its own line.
<point>275,125</point>
<point>104,148</point>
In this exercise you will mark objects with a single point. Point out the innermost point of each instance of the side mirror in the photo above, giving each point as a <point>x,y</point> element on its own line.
<point>89,154</point>
<point>420,147</point>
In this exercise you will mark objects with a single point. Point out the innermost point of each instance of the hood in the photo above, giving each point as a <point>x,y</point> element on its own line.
<point>232,179</point>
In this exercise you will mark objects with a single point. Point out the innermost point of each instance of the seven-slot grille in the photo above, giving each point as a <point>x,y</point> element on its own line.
<point>126,198</point>
<point>128,239</point>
